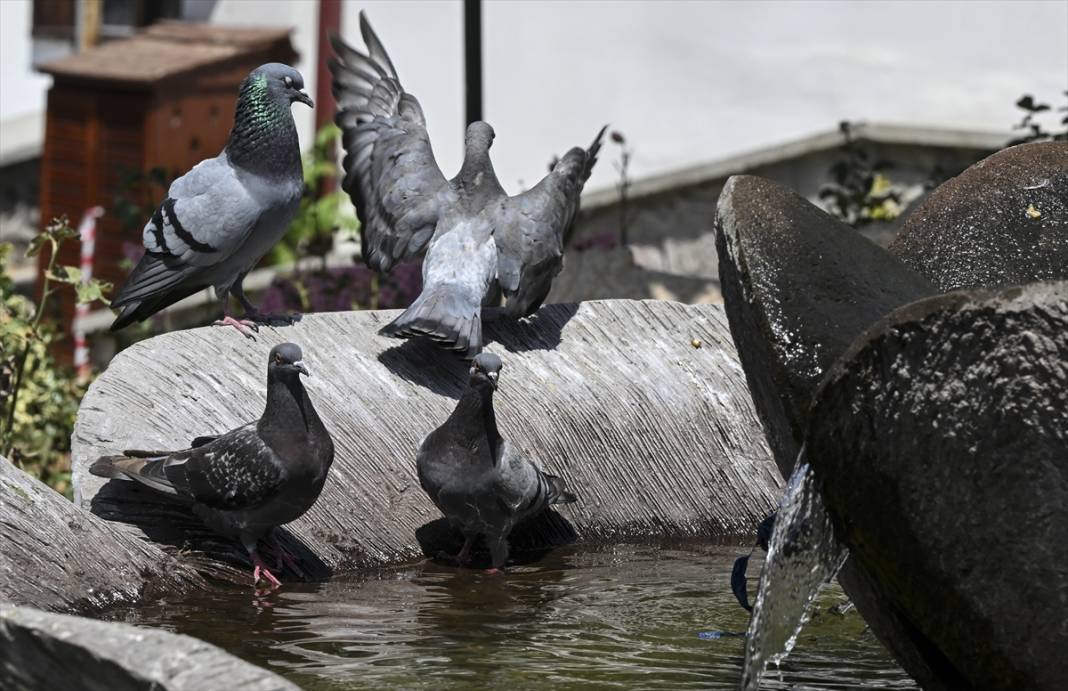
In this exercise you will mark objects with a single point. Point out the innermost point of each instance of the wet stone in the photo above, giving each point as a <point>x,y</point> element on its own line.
<point>41,650</point>
<point>798,287</point>
<point>657,438</point>
<point>941,440</point>
<point>1003,221</point>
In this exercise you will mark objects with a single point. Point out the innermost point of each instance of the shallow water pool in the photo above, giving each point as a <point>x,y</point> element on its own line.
<point>626,616</point>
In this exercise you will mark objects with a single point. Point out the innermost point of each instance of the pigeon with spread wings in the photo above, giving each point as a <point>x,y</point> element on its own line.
<point>479,242</point>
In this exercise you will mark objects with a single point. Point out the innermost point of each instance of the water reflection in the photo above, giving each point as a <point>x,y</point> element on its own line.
<point>617,617</point>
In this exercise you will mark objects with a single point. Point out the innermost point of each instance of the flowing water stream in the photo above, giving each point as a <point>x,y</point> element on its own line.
<point>623,616</point>
<point>803,556</point>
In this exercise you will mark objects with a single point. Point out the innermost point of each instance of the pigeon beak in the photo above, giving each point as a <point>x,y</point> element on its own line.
<point>299,366</point>
<point>305,99</point>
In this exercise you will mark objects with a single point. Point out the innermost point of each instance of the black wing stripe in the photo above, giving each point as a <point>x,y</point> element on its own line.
<point>157,230</point>
<point>183,234</point>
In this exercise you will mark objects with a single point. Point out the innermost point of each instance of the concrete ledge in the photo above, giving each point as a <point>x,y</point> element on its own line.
<point>39,650</point>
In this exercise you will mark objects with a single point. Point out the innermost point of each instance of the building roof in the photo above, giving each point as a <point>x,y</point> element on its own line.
<point>879,133</point>
<point>163,51</point>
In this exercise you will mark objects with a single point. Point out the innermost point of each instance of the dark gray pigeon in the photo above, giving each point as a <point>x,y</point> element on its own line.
<point>482,484</point>
<point>222,216</point>
<point>248,481</point>
<point>479,242</point>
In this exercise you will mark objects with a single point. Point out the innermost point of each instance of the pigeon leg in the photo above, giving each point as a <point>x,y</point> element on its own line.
<point>499,555</point>
<point>283,556</point>
<point>463,557</point>
<point>253,314</point>
<point>259,566</point>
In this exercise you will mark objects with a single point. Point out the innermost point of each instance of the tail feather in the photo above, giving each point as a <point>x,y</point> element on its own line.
<point>558,493</point>
<point>135,465</point>
<point>443,317</point>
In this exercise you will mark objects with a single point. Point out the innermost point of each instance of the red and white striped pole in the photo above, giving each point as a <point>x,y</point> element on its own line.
<point>87,231</point>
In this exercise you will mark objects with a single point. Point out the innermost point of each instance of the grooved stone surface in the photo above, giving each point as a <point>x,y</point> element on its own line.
<point>798,287</point>
<point>39,650</point>
<point>655,436</point>
<point>1003,221</point>
<point>54,555</point>
<point>941,440</point>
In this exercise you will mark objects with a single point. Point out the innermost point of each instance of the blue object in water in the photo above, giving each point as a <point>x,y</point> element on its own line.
<point>713,635</point>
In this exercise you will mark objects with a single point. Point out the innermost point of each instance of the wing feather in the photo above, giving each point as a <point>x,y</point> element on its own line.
<point>530,230</point>
<point>390,171</point>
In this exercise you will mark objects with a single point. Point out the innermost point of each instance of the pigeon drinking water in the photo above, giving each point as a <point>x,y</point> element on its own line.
<point>248,481</point>
<point>478,480</point>
<point>222,216</point>
<point>479,242</point>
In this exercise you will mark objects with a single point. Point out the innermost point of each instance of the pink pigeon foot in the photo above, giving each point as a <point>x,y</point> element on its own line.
<point>262,570</point>
<point>244,326</point>
<point>494,571</point>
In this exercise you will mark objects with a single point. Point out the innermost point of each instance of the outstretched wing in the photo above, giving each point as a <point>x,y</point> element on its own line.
<point>207,215</point>
<point>390,171</point>
<point>530,228</point>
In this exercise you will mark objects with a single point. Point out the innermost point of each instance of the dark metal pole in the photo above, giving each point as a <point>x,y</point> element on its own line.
<point>473,59</point>
<point>329,23</point>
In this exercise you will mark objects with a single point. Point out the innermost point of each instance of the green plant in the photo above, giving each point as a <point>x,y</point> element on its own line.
<point>1034,131</point>
<point>39,397</point>
<point>322,213</point>
<point>860,191</point>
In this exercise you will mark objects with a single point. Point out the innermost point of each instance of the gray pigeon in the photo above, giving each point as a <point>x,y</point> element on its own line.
<point>222,216</point>
<point>248,481</point>
<point>478,480</point>
<point>479,242</point>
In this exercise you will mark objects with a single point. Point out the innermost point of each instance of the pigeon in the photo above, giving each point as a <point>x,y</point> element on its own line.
<point>248,481</point>
<point>222,216</point>
<point>476,478</point>
<point>480,243</point>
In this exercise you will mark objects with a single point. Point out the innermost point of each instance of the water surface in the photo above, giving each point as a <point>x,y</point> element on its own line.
<point>626,616</point>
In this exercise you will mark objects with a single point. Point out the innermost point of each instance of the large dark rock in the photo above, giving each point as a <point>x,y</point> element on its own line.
<point>657,437</point>
<point>56,556</point>
<point>798,287</point>
<point>941,440</point>
<point>39,650</point>
<point>1004,221</point>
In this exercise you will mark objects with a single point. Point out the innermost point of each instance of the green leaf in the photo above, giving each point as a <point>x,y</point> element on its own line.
<point>36,244</point>
<point>66,274</point>
<point>93,291</point>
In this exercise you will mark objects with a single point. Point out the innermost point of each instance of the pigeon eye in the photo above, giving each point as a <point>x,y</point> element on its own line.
<point>288,81</point>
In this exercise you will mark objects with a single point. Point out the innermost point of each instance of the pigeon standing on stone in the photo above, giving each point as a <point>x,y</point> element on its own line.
<point>248,481</point>
<point>479,242</point>
<point>222,216</point>
<point>476,478</point>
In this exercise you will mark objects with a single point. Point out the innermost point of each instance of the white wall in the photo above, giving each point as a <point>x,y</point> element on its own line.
<point>687,82</point>
<point>22,91</point>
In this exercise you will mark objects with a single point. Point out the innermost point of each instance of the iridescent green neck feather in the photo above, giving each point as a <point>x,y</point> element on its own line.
<point>264,137</point>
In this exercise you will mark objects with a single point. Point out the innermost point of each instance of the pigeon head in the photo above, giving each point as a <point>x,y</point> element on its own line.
<point>286,360</point>
<point>282,82</point>
<point>485,368</point>
<point>479,136</point>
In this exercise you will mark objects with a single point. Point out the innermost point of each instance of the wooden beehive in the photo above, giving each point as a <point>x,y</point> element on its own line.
<point>164,99</point>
